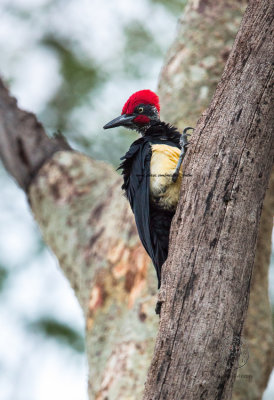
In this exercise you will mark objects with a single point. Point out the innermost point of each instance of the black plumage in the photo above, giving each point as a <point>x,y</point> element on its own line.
<point>153,222</point>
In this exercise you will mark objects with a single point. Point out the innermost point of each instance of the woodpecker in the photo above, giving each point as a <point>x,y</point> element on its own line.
<point>152,172</point>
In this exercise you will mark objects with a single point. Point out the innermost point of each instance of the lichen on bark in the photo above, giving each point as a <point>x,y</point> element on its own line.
<point>88,224</point>
<point>196,59</point>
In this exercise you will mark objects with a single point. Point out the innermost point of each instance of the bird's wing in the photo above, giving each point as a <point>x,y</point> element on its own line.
<point>136,171</point>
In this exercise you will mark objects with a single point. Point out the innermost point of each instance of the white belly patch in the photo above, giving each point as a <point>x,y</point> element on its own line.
<point>164,192</point>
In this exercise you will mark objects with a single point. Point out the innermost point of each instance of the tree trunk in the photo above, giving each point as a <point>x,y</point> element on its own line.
<point>206,279</point>
<point>253,376</point>
<point>188,80</point>
<point>88,224</point>
<point>196,60</point>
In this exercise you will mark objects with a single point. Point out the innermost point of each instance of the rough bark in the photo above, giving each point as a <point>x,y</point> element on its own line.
<point>206,279</point>
<point>196,60</point>
<point>89,226</point>
<point>252,377</point>
<point>106,265</point>
<point>87,223</point>
<point>24,146</point>
<point>188,79</point>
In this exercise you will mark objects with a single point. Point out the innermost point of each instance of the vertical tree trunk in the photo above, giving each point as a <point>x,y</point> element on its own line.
<point>188,80</point>
<point>253,376</point>
<point>196,59</point>
<point>206,279</point>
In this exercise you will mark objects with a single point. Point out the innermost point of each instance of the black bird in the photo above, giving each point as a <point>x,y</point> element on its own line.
<point>152,172</point>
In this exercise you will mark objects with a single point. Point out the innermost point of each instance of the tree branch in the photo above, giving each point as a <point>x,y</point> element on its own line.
<point>89,226</point>
<point>207,276</point>
<point>24,145</point>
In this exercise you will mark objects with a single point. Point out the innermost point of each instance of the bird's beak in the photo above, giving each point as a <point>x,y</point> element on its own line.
<point>122,120</point>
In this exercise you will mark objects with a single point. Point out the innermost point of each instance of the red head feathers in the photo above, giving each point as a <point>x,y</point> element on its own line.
<point>141,97</point>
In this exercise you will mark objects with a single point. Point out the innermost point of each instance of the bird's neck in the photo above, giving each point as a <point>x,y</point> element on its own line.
<point>156,128</point>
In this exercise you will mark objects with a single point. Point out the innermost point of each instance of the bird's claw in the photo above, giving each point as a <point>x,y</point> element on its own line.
<point>158,307</point>
<point>175,176</point>
<point>184,145</point>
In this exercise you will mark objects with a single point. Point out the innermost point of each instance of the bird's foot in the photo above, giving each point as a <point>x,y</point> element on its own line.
<point>184,145</point>
<point>158,307</point>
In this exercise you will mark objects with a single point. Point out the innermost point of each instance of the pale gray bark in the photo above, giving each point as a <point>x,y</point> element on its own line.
<point>196,60</point>
<point>88,224</point>
<point>24,146</point>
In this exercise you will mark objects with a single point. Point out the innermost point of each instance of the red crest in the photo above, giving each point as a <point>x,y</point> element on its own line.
<point>141,97</point>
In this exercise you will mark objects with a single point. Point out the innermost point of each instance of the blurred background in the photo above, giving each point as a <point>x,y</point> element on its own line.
<point>73,63</point>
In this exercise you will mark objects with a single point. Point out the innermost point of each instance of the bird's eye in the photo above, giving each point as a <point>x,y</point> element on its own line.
<point>140,110</point>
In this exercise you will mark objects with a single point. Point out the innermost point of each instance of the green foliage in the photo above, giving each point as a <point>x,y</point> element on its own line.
<point>62,333</point>
<point>3,277</point>
<point>79,78</point>
<point>174,6</point>
<point>138,38</point>
<point>81,75</point>
<point>114,145</point>
<point>140,46</point>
